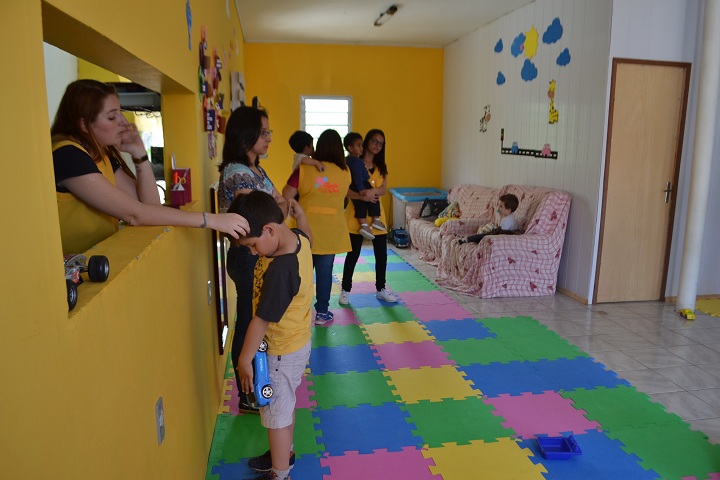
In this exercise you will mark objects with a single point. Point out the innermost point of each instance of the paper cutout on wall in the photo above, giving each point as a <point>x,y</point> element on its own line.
<point>553,115</point>
<point>516,150</point>
<point>518,45</point>
<point>554,32</point>
<point>485,119</point>
<point>188,18</point>
<point>564,58</point>
<point>499,46</point>
<point>500,78</point>
<point>529,71</point>
<point>209,77</point>
<point>531,42</point>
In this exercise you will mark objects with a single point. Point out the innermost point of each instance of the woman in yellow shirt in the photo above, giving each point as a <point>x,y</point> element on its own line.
<point>374,158</point>
<point>94,186</point>
<point>322,197</point>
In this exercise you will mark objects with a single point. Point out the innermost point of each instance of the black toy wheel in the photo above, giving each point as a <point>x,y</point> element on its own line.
<point>72,294</point>
<point>263,346</point>
<point>267,391</point>
<point>98,268</point>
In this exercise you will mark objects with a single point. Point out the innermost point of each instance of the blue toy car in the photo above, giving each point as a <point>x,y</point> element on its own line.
<point>399,237</point>
<point>263,391</point>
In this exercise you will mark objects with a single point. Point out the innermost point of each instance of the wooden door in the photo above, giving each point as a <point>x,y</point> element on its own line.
<point>647,120</point>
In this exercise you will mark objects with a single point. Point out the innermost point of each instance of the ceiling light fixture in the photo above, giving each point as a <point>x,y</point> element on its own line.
<point>385,16</point>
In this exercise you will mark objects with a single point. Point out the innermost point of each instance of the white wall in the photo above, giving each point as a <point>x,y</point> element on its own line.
<point>521,108</point>
<point>670,30</point>
<point>61,68</point>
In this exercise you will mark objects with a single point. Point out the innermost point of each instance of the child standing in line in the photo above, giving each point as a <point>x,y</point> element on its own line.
<point>302,144</point>
<point>508,224</point>
<point>282,296</point>
<point>361,183</point>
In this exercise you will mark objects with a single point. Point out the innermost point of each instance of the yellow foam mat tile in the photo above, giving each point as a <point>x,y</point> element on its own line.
<point>710,306</point>
<point>432,384</point>
<point>225,396</point>
<point>364,277</point>
<point>502,459</point>
<point>396,332</point>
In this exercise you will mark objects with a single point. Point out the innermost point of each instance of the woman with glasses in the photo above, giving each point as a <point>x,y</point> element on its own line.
<point>247,137</point>
<point>374,158</point>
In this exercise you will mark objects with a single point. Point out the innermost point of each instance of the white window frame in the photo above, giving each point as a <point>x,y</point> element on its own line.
<point>304,125</point>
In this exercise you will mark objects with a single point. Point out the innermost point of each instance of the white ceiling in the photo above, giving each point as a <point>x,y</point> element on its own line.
<point>417,23</point>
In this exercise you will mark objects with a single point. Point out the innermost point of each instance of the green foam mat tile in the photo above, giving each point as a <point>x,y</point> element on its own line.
<point>335,335</point>
<point>396,259</point>
<point>674,451</point>
<point>407,275</point>
<point>548,346</point>
<point>409,285</point>
<point>460,421</point>
<point>306,433</point>
<point>243,437</point>
<point>479,351</point>
<point>621,407</point>
<point>506,326</point>
<point>397,314</point>
<point>352,389</point>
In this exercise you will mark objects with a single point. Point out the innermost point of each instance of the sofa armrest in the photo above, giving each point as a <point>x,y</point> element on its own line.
<point>462,226</point>
<point>526,250</point>
<point>412,211</point>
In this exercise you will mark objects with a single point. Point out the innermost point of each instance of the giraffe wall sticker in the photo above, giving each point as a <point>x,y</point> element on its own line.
<point>553,114</point>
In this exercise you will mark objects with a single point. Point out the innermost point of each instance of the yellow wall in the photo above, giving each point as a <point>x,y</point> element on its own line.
<point>79,390</point>
<point>398,90</point>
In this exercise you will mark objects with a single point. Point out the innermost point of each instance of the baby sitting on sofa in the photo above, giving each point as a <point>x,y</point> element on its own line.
<point>508,224</point>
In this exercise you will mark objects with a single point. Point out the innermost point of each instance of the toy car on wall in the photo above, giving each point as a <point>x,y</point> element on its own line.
<point>97,267</point>
<point>262,390</point>
<point>399,237</point>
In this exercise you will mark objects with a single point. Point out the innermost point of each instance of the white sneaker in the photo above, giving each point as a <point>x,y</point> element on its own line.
<point>386,296</point>
<point>366,232</point>
<point>344,300</point>
<point>378,225</point>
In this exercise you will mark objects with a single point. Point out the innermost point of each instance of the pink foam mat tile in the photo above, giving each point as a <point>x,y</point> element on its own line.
<point>426,313</point>
<point>303,393</point>
<point>230,404</point>
<point>344,316</point>
<point>432,297</point>
<point>712,476</point>
<point>408,463</point>
<point>530,415</point>
<point>412,355</point>
<point>363,287</point>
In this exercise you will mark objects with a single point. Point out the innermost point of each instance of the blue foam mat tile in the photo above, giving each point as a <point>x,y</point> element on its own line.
<point>394,267</point>
<point>365,428</point>
<point>574,373</point>
<point>343,359</point>
<point>457,329</point>
<point>601,459</point>
<point>362,300</point>
<point>513,378</point>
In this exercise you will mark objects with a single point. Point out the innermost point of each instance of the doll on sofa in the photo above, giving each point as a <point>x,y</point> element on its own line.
<point>508,224</point>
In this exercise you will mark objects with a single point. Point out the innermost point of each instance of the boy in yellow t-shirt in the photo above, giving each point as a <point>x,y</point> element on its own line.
<point>282,305</point>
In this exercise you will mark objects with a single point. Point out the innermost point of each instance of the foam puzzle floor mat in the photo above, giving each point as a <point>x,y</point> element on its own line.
<point>424,389</point>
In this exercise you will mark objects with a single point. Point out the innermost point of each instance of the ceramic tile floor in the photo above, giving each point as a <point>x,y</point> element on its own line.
<point>673,360</point>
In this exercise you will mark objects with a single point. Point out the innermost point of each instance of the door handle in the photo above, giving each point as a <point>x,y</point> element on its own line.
<point>668,191</point>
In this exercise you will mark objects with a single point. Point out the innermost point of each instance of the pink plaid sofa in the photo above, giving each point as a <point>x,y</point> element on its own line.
<point>500,265</point>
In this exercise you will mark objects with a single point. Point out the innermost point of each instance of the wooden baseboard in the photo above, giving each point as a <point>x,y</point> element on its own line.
<point>572,295</point>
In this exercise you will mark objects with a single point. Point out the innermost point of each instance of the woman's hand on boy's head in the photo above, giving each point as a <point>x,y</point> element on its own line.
<point>231,223</point>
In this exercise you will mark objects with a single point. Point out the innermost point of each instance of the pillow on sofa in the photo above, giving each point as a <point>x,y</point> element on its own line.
<point>451,211</point>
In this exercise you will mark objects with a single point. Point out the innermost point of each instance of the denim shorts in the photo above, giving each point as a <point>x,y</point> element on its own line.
<point>286,372</point>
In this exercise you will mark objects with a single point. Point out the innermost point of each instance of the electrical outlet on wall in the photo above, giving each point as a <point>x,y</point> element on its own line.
<point>160,420</point>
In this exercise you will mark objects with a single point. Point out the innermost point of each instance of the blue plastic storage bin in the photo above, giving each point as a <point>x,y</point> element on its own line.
<point>404,195</point>
<point>555,448</point>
